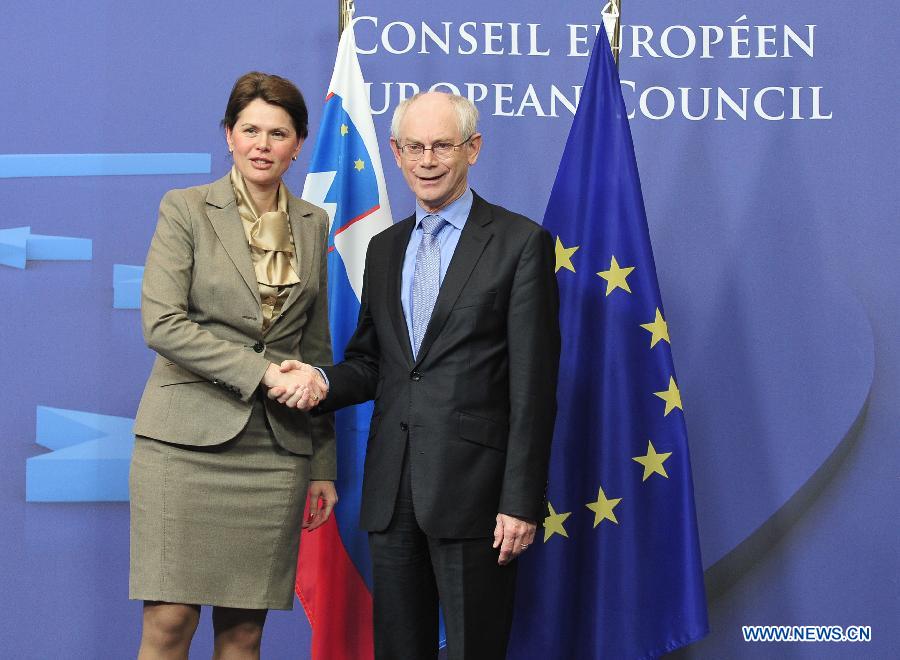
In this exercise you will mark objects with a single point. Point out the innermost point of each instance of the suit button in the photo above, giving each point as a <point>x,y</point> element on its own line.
<point>404,427</point>
<point>259,347</point>
<point>415,376</point>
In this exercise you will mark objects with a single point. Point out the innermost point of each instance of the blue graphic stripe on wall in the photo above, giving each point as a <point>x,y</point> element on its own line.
<point>39,165</point>
<point>127,286</point>
<point>18,245</point>
<point>88,460</point>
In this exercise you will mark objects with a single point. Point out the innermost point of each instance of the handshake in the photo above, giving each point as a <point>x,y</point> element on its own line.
<point>295,384</point>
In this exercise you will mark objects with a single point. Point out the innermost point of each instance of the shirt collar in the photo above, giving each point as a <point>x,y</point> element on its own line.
<point>456,212</point>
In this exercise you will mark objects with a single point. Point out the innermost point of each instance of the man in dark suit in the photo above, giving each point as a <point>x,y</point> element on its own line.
<point>458,343</point>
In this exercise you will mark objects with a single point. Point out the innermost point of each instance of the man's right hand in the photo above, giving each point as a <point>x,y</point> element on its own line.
<point>295,384</point>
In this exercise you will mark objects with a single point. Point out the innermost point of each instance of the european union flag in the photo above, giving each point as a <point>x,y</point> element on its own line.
<point>618,574</point>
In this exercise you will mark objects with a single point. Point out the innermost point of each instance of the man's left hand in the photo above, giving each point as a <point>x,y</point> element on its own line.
<point>513,536</point>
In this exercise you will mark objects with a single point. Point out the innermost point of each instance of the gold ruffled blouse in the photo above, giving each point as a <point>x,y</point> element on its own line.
<point>271,248</point>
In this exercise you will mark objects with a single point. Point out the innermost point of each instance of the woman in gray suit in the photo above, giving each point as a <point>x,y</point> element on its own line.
<point>235,283</point>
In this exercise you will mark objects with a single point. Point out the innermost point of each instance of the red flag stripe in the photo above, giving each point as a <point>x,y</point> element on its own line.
<point>335,597</point>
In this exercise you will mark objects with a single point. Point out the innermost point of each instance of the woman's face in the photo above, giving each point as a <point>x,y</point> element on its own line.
<point>263,141</point>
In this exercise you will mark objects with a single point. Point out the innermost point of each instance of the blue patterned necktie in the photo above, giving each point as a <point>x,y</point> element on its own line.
<point>426,278</point>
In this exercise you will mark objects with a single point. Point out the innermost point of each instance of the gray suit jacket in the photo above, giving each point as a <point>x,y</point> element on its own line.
<point>201,313</point>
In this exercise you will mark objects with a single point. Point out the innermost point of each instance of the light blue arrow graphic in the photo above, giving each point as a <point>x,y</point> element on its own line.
<point>13,246</point>
<point>127,286</point>
<point>89,459</point>
<point>18,244</point>
<point>58,248</point>
<point>40,165</point>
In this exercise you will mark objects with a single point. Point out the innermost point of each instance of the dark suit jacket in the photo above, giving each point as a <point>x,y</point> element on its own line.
<point>201,313</point>
<point>478,404</point>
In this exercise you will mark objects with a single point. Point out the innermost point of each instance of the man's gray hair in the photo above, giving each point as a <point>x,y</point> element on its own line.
<point>466,114</point>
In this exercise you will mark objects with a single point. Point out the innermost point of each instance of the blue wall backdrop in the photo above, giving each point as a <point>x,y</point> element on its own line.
<point>766,139</point>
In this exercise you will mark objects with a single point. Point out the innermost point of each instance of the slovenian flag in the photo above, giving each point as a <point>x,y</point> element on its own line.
<point>334,574</point>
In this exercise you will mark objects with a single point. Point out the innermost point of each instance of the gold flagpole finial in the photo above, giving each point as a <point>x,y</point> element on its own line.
<point>612,17</point>
<point>345,14</point>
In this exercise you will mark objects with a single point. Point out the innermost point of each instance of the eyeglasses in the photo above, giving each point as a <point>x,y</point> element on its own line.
<point>442,150</point>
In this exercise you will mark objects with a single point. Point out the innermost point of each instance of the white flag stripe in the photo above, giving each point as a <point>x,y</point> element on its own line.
<point>314,190</point>
<point>347,82</point>
<point>351,243</point>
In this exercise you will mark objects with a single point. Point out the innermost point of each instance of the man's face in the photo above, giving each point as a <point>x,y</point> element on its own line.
<point>435,181</point>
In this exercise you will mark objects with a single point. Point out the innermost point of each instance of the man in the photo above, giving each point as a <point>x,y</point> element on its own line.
<point>458,343</point>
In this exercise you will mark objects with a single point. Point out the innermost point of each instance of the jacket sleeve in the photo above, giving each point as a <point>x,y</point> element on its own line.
<point>315,348</point>
<point>534,347</point>
<point>164,308</point>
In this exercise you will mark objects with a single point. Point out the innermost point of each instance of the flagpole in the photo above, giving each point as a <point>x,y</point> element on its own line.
<point>345,14</point>
<point>612,20</point>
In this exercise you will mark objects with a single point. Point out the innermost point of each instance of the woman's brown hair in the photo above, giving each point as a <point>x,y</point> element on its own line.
<point>271,89</point>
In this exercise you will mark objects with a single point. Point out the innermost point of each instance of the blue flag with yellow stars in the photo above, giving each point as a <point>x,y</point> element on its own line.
<point>617,572</point>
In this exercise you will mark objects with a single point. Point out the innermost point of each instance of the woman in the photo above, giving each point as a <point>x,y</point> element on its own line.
<point>235,283</point>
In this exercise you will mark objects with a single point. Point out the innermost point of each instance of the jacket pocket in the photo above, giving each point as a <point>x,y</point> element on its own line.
<point>484,299</point>
<point>172,374</point>
<point>483,431</point>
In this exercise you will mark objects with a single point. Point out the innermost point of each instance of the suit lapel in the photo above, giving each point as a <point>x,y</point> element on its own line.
<point>306,241</point>
<point>395,282</point>
<point>475,236</point>
<point>226,222</point>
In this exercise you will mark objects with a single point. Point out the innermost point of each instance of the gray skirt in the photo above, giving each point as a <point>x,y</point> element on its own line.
<point>217,525</point>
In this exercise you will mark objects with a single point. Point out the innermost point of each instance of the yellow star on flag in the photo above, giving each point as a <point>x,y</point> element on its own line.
<point>564,256</point>
<point>616,277</point>
<point>603,508</point>
<point>359,164</point>
<point>553,524</point>
<point>344,129</point>
<point>671,396</point>
<point>659,329</point>
<point>653,462</point>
